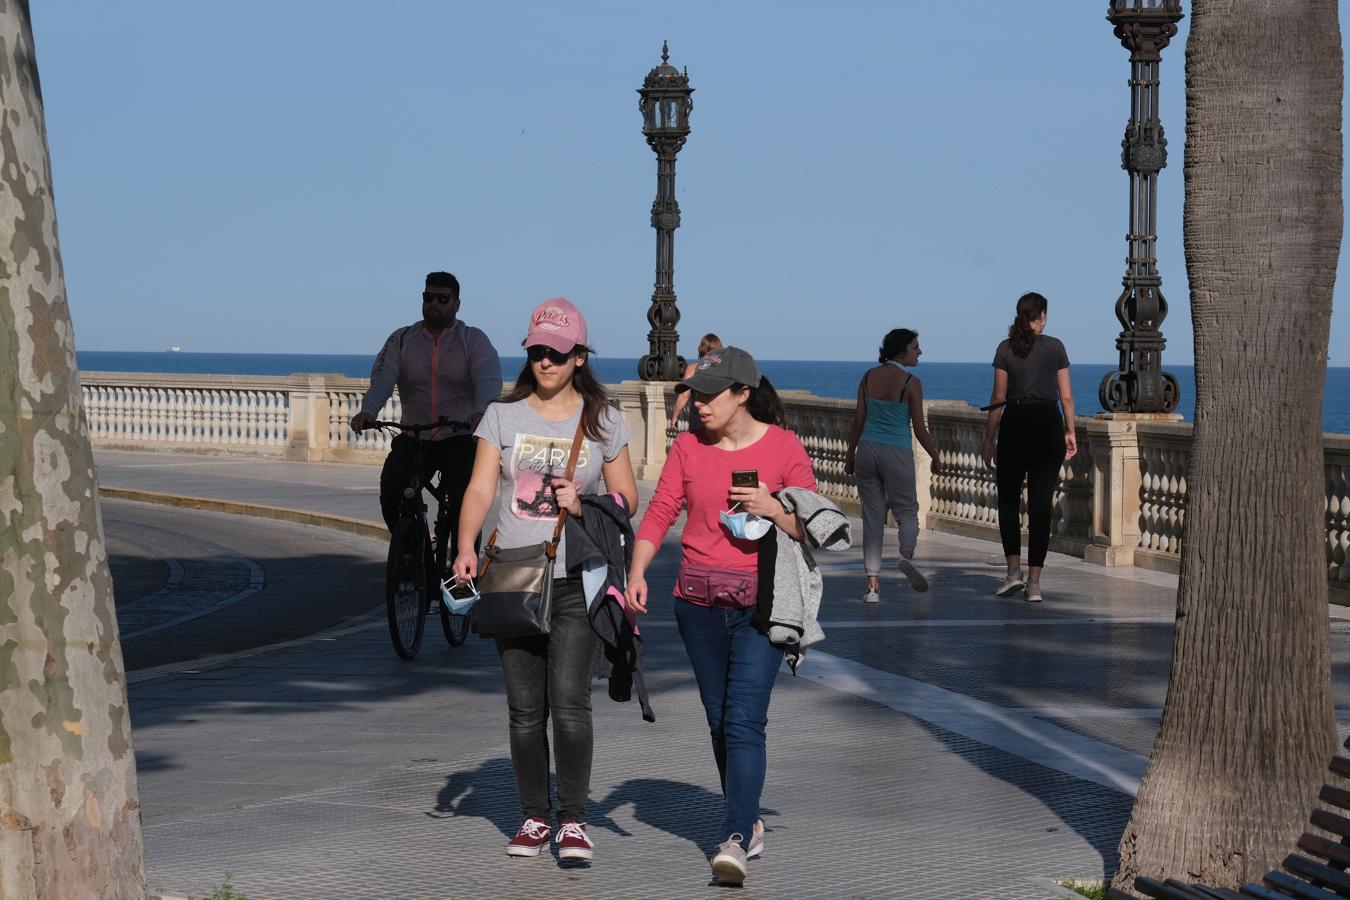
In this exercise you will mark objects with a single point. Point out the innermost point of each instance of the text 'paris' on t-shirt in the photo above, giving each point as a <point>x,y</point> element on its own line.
<point>534,450</point>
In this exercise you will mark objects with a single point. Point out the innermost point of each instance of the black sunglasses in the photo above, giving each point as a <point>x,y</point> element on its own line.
<point>442,299</point>
<point>538,352</point>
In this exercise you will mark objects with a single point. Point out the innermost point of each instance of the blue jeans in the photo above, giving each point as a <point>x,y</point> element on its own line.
<point>735,666</point>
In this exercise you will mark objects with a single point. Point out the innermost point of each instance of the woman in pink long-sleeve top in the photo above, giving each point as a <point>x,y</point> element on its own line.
<point>724,475</point>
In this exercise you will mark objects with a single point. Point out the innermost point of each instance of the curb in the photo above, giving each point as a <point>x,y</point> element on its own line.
<point>362,527</point>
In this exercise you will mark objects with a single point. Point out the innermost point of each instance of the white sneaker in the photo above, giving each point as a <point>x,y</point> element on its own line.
<point>915,577</point>
<point>729,863</point>
<point>756,840</point>
<point>872,596</point>
<point>1033,594</point>
<point>1011,585</point>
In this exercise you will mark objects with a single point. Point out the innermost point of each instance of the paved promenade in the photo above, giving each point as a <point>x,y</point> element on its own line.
<point>944,745</point>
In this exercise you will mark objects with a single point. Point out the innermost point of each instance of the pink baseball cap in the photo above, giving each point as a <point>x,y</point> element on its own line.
<point>558,324</point>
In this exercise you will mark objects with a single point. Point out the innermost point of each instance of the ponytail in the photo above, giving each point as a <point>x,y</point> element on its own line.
<point>1021,336</point>
<point>764,404</point>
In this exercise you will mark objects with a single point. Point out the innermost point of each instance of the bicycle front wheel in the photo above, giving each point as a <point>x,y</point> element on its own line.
<point>405,586</point>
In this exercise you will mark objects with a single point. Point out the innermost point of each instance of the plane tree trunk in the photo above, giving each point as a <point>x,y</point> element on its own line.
<point>69,816</point>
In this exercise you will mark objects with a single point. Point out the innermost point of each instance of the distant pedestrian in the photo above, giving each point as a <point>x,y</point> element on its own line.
<point>710,342</point>
<point>880,452</point>
<point>524,443</point>
<point>724,476</point>
<point>1031,383</point>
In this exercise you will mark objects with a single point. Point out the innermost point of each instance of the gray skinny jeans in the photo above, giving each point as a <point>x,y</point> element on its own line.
<point>885,475</point>
<point>550,675</point>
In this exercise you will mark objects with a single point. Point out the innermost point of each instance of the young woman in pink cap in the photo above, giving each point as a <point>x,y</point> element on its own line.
<point>523,443</point>
<point>724,475</point>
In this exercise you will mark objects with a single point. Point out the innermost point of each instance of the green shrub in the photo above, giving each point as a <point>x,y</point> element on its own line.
<point>226,891</point>
<point>1093,890</point>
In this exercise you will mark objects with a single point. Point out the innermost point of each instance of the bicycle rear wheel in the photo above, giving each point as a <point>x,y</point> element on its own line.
<point>456,627</point>
<point>405,586</point>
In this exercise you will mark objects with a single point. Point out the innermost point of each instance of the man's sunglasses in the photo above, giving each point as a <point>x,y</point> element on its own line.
<point>442,299</point>
<point>539,352</point>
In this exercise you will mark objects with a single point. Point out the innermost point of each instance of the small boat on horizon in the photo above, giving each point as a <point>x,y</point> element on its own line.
<point>174,348</point>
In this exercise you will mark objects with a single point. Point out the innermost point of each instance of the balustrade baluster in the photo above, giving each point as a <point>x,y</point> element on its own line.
<point>276,418</point>
<point>1338,523</point>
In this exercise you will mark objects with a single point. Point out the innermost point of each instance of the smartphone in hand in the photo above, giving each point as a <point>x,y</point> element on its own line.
<point>745,478</point>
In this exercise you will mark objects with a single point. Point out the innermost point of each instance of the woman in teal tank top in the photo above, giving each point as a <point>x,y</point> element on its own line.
<point>880,453</point>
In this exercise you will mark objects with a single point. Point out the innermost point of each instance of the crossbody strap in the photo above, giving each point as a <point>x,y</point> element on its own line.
<point>571,470</point>
<point>562,514</point>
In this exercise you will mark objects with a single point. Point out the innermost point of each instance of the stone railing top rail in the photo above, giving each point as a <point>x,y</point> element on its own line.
<point>1163,431</point>
<point>302,381</point>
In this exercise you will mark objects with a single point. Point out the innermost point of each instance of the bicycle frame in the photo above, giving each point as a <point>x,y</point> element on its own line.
<point>412,521</point>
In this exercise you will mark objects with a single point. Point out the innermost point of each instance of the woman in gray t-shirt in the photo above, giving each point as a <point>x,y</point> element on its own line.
<point>523,444</point>
<point>1031,382</point>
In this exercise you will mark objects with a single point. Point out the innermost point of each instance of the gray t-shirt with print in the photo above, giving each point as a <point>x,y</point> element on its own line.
<point>533,447</point>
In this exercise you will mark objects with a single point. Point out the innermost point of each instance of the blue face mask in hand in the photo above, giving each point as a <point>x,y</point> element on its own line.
<point>744,525</point>
<point>458,597</point>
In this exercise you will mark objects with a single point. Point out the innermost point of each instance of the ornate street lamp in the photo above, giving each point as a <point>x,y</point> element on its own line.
<point>665,106</point>
<point>1140,386</point>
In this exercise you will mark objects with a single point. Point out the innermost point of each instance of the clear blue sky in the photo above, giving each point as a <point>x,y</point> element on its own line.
<point>277,177</point>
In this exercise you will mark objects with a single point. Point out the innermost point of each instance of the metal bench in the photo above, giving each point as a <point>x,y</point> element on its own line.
<point>1324,878</point>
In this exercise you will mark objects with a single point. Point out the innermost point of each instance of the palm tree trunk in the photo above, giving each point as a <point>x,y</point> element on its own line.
<point>1248,727</point>
<point>69,817</point>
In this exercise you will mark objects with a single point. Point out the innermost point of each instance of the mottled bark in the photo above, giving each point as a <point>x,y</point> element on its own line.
<point>69,818</point>
<point>1248,727</point>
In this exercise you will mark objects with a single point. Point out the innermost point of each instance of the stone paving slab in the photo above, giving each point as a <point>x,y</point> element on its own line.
<point>901,765</point>
<point>424,811</point>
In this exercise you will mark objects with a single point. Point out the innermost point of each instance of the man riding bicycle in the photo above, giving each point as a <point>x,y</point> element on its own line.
<point>443,369</point>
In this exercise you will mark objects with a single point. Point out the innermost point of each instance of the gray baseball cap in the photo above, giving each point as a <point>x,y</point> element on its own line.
<point>719,370</point>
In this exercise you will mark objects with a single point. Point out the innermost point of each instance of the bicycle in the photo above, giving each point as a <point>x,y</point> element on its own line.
<point>417,562</point>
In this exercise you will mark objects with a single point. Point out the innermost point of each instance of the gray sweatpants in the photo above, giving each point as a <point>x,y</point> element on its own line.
<point>885,475</point>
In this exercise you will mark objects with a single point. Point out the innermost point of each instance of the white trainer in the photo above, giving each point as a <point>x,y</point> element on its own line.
<point>729,863</point>
<point>756,840</point>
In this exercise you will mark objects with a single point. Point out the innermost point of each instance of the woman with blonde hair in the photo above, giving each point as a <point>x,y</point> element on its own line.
<point>709,343</point>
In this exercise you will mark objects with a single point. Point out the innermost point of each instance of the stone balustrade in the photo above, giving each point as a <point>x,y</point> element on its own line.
<point>1120,501</point>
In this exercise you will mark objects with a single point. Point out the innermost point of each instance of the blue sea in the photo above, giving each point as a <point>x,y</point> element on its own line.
<point>941,381</point>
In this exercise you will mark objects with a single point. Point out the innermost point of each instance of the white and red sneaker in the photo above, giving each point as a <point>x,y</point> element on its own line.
<point>573,842</point>
<point>532,837</point>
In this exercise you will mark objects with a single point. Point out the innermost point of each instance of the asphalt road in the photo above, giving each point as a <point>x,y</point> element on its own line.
<point>191,584</point>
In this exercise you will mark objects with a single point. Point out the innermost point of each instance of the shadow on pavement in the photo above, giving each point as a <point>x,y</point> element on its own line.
<point>676,807</point>
<point>487,792</point>
<point>1096,814</point>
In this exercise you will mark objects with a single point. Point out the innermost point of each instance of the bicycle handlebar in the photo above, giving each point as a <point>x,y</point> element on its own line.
<point>442,422</point>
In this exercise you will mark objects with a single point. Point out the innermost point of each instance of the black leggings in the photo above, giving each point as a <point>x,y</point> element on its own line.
<point>1030,448</point>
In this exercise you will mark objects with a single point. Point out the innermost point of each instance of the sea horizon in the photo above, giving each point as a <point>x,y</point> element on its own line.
<point>968,381</point>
